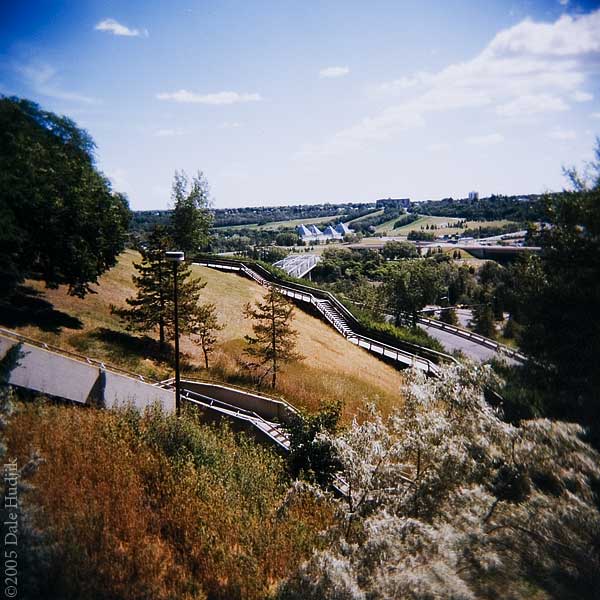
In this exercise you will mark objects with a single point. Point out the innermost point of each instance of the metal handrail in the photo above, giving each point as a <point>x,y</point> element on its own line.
<point>474,337</point>
<point>238,264</point>
<point>81,357</point>
<point>413,358</point>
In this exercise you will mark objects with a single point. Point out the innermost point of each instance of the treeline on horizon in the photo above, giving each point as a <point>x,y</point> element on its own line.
<point>495,207</point>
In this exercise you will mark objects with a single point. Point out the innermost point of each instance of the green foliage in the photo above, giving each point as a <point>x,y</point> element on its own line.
<point>190,219</point>
<point>153,305</point>
<point>274,340</point>
<point>449,316</point>
<point>494,208</point>
<point>203,328</point>
<point>287,239</point>
<point>60,220</point>
<point>483,320</point>
<point>410,285</point>
<point>395,250</point>
<point>420,236</point>
<point>312,456</point>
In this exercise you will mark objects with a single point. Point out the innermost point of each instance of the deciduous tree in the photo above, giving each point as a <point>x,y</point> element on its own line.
<point>191,218</point>
<point>61,221</point>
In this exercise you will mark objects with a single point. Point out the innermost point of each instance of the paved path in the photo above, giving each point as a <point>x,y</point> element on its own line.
<point>453,342</point>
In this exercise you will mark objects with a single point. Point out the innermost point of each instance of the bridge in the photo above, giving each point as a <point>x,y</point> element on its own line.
<point>298,265</point>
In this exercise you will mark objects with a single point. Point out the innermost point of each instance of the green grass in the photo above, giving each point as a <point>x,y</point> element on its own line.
<point>387,228</point>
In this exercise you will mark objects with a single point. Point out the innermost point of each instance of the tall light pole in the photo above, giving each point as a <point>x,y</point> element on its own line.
<point>176,257</point>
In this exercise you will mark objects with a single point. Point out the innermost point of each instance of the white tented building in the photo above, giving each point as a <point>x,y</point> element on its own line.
<point>311,233</point>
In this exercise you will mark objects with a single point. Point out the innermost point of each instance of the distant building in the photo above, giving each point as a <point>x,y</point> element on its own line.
<point>343,229</point>
<point>331,233</point>
<point>311,233</point>
<point>473,195</point>
<point>393,203</point>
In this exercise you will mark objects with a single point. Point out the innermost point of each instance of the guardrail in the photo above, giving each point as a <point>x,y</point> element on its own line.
<point>315,297</point>
<point>474,337</point>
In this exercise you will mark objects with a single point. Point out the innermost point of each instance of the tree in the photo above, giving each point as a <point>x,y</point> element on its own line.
<point>274,340</point>
<point>153,305</point>
<point>287,238</point>
<point>483,320</point>
<point>61,222</point>
<point>396,250</point>
<point>558,303</point>
<point>409,286</point>
<point>449,316</point>
<point>191,219</point>
<point>445,500</point>
<point>204,326</point>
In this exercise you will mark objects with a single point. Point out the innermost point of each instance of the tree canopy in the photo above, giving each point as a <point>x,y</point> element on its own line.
<point>61,221</point>
<point>190,220</point>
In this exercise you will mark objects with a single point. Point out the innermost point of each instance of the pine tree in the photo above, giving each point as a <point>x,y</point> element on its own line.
<point>204,327</point>
<point>152,307</point>
<point>191,219</point>
<point>274,340</point>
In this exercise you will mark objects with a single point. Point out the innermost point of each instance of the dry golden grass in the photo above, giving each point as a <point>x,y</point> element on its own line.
<point>332,370</point>
<point>135,507</point>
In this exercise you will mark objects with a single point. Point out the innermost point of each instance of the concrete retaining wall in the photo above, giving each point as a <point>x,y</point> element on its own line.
<point>267,408</point>
<point>59,376</point>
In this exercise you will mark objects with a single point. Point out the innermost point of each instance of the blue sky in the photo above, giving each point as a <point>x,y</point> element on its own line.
<point>289,102</point>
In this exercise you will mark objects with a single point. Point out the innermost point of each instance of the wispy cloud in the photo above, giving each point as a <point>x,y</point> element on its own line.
<point>44,80</point>
<point>333,72</point>
<point>184,96</point>
<point>116,28</point>
<point>485,140</point>
<point>230,125</point>
<point>528,69</point>
<point>562,134</point>
<point>169,132</point>
<point>580,96</point>
<point>595,115</point>
<point>532,104</point>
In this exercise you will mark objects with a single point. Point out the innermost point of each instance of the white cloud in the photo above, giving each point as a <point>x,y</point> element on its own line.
<point>562,134</point>
<point>531,105</point>
<point>169,132</point>
<point>438,147</point>
<point>563,2</point>
<point>580,96</point>
<point>185,96</point>
<point>230,125</point>
<point>485,140</point>
<point>595,115</point>
<point>530,68</point>
<point>332,72</point>
<point>116,28</point>
<point>43,79</point>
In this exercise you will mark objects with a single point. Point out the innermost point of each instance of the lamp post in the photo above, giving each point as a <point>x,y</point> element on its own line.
<point>176,258</point>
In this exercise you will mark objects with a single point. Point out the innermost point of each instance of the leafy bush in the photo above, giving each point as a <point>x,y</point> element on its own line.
<point>448,501</point>
<point>144,506</point>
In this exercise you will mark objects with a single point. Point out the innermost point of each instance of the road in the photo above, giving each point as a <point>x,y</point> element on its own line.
<point>453,342</point>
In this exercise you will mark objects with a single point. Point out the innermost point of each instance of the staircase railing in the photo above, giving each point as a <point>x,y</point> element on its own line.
<point>422,358</point>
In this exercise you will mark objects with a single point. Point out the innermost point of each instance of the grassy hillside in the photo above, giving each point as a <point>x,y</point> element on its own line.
<point>333,369</point>
<point>442,223</point>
